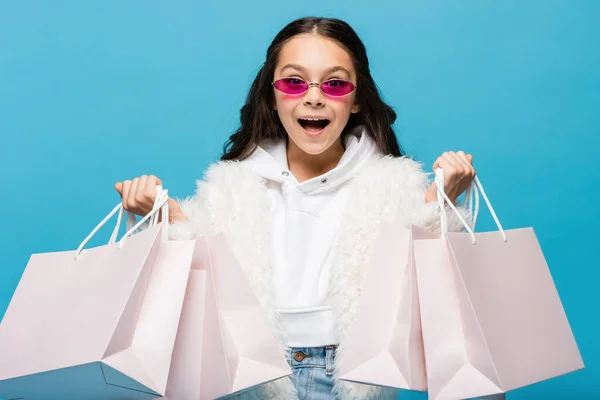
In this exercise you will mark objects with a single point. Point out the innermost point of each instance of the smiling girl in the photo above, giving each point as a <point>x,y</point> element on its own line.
<point>299,193</point>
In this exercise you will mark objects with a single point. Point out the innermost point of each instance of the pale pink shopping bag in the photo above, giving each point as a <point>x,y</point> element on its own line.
<point>491,316</point>
<point>224,342</point>
<point>385,346</point>
<point>97,323</point>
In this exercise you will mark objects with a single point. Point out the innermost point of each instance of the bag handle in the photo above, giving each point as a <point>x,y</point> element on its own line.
<point>475,189</point>
<point>161,203</point>
<point>132,221</point>
<point>471,197</point>
<point>118,208</point>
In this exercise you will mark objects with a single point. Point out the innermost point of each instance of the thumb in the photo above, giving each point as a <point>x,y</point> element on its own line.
<point>470,158</point>
<point>119,187</point>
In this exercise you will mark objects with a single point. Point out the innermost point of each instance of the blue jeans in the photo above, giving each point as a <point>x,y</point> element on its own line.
<point>312,371</point>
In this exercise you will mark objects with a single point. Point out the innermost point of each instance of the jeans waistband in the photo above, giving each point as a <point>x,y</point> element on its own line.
<point>314,357</point>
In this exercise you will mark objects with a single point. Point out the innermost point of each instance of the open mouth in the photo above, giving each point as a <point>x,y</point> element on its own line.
<point>313,125</point>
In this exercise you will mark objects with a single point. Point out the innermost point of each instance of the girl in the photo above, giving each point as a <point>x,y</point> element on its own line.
<point>300,191</point>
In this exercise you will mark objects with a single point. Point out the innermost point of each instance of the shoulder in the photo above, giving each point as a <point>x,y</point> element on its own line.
<point>404,164</point>
<point>228,175</point>
<point>225,182</point>
<point>398,171</point>
<point>219,192</point>
<point>229,172</point>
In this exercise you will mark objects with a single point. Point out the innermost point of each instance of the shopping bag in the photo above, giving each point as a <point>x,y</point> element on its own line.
<point>224,342</point>
<point>97,323</point>
<point>384,345</point>
<point>491,316</point>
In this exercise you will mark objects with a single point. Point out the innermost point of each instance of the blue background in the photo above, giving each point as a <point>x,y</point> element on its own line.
<point>94,92</point>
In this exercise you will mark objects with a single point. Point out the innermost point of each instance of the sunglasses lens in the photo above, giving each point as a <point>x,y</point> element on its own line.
<point>337,87</point>
<point>291,85</point>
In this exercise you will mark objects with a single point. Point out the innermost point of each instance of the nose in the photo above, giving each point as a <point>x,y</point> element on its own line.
<point>314,97</point>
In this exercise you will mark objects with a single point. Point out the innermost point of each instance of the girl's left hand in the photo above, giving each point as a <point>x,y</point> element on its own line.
<point>458,174</point>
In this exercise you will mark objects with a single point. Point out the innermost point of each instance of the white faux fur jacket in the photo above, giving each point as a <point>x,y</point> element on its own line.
<point>232,199</point>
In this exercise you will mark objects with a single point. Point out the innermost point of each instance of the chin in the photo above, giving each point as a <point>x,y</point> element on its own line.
<point>314,149</point>
<point>314,145</point>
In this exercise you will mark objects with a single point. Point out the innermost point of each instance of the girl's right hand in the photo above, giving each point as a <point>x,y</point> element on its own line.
<point>140,193</point>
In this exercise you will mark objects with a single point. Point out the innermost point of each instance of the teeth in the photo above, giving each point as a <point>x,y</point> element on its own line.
<point>314,119</point>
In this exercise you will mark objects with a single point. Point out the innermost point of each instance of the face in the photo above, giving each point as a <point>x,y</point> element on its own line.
<point>313,120</point>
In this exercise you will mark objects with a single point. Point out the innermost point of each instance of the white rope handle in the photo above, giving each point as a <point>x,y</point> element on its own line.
<point>115,233</point>
<point>489,205</point>
<point>132,221</point>
<point>160,201</point>
<point>473,197</point>
<point>476,188</point>
<point>441,197</point>
<point>118,208</point>
<point>161,204</point>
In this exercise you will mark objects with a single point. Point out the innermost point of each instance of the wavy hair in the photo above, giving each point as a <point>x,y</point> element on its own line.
<point>259,121</point>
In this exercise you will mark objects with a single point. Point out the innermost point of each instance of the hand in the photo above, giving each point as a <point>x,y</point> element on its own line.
<point>140,193</point>
<point>458,174</point>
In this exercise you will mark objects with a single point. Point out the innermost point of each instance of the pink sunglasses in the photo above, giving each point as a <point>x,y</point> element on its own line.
<point>332,87</point>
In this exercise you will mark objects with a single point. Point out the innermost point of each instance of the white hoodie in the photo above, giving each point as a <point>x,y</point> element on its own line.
<point>307,217</point>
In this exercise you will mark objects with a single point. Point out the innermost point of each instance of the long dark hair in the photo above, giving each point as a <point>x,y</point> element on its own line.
<point>259,121</point>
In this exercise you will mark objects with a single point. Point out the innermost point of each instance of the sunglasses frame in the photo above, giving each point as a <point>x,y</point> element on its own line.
<point>316,84</point>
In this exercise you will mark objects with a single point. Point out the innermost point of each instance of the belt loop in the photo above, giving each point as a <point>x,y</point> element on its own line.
<point>329,360</point>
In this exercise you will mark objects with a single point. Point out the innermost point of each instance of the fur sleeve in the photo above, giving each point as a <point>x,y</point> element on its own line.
<point>427,215</point>
<point>200,210</point>
<point>191,208</point>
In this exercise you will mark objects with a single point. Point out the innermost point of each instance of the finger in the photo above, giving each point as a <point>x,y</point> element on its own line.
<point>452,165</point>
<point>466,157</point>
<point>463,162</point>
<point>446,165</point>
<point>455,157</point>
<point>119,187</point>
<point>444,160</point>
<point>140,194</point>
<point>461,154</point>
<point>131,198</point>
<point>464,168</point>
<point>467,162</point>
<point>452,159</point>
<point>150,186</point>
<point>125,193</point>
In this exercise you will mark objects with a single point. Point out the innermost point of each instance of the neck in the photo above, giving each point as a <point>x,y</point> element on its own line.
<point>306,166</point>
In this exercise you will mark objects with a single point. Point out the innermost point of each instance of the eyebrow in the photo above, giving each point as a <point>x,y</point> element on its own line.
<point>328,71</point>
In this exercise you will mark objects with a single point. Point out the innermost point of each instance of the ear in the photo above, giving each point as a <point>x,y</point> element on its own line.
<point>355,108</point>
